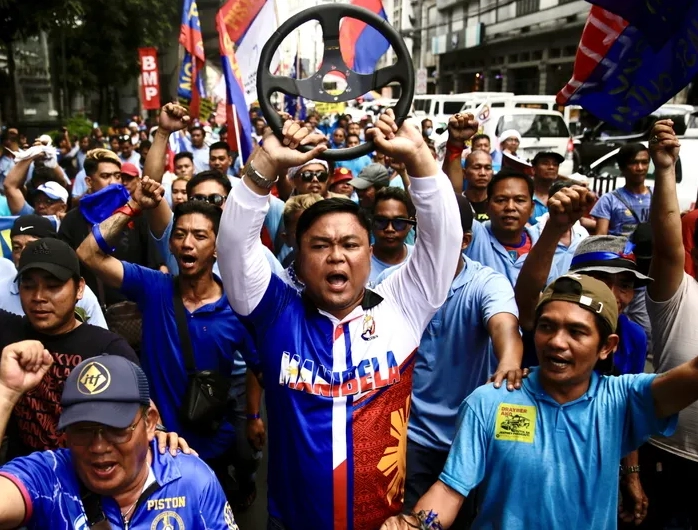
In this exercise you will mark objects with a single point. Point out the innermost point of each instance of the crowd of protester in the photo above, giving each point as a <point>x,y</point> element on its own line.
<point>460,342</point>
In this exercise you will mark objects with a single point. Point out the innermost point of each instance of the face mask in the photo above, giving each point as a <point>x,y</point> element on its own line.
<point>428,131</point>
<point>96,207</point>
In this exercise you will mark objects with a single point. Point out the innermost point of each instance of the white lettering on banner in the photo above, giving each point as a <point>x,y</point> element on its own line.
<point>150,79</point>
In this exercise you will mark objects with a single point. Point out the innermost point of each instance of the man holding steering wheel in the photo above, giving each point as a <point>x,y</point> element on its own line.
<point>337,359</point>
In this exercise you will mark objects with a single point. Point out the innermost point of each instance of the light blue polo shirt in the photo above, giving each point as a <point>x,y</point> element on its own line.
<point>216,335</point>
<point>183,493</point>
<point>10,301</point>
<point>539,464</point>
<point>487,250</point>
<point>455,354</point>
<point>378,266</point>
<point>539,208</point>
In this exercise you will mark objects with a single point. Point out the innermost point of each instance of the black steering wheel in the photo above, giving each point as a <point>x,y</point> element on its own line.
<point>329,16</point>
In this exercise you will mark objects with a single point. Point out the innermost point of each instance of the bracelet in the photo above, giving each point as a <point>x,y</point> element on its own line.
<point>453,151</point>
<point>101,242</point>
<point>427,520</point>
<point>128,210</point>
<point>629,470</point>
<point>254,416</point>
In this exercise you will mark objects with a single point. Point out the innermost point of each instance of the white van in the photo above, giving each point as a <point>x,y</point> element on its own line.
<point>440,107</point>
<point>541,130</point>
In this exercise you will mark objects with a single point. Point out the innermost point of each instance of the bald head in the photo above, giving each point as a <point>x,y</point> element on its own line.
<point>478,169</point>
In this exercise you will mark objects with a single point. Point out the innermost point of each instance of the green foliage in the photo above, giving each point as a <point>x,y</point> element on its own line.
<point>77,125</point>
<point>103,50</point>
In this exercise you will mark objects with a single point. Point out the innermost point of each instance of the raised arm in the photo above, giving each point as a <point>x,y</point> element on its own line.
<point>22,367</point>
<point>458,134</point>
<point>14,182</point>
<point>665,216</point>
<point>676,389</point>
<point>566,207</point>
<point>96,255</point>
<point>172,118</point>
<point>421,286</point>
<point>244,268</point>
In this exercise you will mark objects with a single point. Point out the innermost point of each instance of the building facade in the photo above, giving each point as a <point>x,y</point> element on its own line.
<point>520,46</point>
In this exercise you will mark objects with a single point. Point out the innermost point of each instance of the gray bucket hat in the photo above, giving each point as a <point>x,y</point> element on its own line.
<point>610,254</point>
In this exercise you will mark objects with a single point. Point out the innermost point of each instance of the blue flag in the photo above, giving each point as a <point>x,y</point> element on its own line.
<point>620,73</point>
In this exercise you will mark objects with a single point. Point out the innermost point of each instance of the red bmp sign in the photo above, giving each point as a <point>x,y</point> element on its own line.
<point>150,79</point>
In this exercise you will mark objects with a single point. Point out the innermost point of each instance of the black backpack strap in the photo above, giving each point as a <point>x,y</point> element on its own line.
<point>92,504</point>
<point>183,328</point>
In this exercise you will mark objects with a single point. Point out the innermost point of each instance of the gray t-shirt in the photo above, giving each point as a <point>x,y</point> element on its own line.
<point>675,337</point>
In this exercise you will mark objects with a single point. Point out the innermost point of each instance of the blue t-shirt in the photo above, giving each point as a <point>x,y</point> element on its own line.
<point>622,222</point>
<point>215,332</point>
<point>187,494</point>
<point>455,354</point>
<point>378,266</point>
<point>539,464</point>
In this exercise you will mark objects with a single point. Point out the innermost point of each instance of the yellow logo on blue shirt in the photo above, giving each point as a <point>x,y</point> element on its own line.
<point>167,521</point>
<point>515,423</point>
<point>93,379</point>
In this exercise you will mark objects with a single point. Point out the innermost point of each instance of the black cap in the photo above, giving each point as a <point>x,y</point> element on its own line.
<point>32,225</point>
<point>466,213</point>
<point>108,389</point>
<point>52,255</point>
<point>548,154</point>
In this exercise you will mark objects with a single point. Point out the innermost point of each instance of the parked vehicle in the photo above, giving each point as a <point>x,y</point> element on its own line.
<point>606,137</point>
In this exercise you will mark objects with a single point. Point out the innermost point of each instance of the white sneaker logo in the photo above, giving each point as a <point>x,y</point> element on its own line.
<point>23,228</point>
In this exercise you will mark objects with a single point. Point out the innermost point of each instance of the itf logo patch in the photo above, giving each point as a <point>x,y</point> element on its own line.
<point>515,423</point>
<point>93,379</point>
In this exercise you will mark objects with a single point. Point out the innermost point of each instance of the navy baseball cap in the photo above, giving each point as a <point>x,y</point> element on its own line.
<point>107,389</point>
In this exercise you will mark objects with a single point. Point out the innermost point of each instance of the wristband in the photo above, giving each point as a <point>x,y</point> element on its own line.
<point>128,210</point>
<point>253,417</point>
<point>453,151</point>
<point>101,242</point>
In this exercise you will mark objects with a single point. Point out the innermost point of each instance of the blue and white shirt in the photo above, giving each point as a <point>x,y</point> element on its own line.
<point>184,494</point>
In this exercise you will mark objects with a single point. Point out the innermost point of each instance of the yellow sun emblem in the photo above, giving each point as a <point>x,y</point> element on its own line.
<point>394,458</point>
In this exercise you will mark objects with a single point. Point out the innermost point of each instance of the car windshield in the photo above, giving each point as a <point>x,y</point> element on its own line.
<point>534,125</point>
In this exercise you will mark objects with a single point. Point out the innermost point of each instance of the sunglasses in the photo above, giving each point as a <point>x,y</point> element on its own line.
<point>399,223</point>
<point>216,199</point>
<point>308,176</point>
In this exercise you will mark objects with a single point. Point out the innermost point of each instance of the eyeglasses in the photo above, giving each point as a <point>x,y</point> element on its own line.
<point>84,435</point>
<point>216,198</point>
<point>308,176</point>
<point>399,223</point>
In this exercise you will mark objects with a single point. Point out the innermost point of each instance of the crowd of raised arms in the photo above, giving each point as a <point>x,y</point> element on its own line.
<point>414,341</point>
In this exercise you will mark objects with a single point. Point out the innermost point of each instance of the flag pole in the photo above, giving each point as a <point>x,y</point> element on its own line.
<point>238,132</point>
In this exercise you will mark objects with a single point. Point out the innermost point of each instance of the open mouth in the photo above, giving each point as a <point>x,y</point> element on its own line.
<point>103,469</point>
<point>509,219</point>
<point>337,280</point>
<point>558,362</point>
<point>187,260</point>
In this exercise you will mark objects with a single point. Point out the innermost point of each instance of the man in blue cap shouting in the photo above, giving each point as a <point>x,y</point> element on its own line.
<point>111,473</point>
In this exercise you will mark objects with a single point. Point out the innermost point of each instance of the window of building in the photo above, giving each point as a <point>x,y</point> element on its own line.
<point>457,18</point>
<point>526,7</point>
